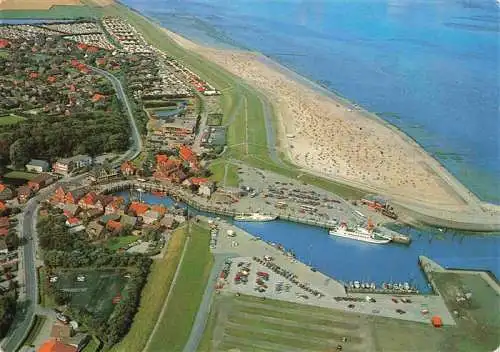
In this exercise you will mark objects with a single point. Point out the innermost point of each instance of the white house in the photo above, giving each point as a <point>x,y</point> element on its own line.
<point>36,165</point>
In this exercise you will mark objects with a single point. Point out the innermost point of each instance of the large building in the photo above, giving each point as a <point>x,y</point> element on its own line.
<point>67,165</point>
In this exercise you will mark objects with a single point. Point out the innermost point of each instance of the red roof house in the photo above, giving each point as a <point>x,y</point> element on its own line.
<point>97,97</point>
<point>53,345</point>
<point>186,153</point>
<point>51,79</point>
<point>4,222</point>
<point>113,226</point>
<point>138,208</point>
<point>4,43</point>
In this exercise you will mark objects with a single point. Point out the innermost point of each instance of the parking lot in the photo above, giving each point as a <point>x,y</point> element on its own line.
<point>298,283</point>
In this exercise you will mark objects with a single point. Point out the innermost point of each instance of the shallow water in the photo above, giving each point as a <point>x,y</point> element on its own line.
<point>430,66</point>
<point>349,260</point>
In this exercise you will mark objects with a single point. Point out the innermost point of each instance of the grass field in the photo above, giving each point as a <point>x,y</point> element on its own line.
<point>175,325</point>
<point>480,317</point>
<point>115,243</point>
<point>218,170</point>
<point>46,300</point>
<point>35,329</point>
<point>252,324</point>
<point>153,295</point>
<point>22,175</point>
<point>96,293</point>
<point>10,119</point>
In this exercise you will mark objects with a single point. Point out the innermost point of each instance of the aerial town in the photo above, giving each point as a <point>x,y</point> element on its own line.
<point>144,207</point>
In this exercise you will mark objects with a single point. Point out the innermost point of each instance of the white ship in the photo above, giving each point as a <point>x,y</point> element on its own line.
<point>360,234</point>
<point>255,217</point>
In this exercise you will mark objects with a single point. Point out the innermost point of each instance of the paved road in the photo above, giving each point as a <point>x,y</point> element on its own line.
<point>136,146</point>
<point>30,288</point>
<point>201,319</point>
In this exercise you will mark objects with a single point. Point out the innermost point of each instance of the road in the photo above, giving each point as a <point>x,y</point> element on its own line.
<point>28,217</point>
<point>136,147</point>
<point>202,315</point>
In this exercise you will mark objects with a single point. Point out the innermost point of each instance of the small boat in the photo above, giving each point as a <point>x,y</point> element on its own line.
<point>372,286</point>
<point>406,286</point>
<point>356,284</point>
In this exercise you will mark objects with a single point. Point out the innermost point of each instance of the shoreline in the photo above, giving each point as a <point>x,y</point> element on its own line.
<point>455,203</point>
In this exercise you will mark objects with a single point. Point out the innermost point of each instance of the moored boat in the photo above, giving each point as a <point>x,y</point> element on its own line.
<point>257,217</point>
<point>360,234</point>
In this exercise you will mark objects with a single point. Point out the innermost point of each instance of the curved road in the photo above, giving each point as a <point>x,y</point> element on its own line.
<point>26,313</point>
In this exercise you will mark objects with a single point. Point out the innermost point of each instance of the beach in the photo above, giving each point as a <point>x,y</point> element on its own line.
<point>330,137</point>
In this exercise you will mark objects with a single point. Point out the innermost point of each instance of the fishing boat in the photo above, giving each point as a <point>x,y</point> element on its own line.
<point>360,233</point>
<point>255,217</point>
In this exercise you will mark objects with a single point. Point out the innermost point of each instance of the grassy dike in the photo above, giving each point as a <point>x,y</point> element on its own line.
<point>178,318</point>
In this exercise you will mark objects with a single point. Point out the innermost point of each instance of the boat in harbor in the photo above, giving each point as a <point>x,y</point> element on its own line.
<point>257,217</point>
<point>360,234</point>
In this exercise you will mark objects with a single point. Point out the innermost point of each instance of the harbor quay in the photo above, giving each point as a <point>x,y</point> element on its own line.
<point>248,205</point>
<point>251,254</point>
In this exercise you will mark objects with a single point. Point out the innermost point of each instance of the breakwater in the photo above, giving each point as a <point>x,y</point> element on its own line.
<point>181,195</point>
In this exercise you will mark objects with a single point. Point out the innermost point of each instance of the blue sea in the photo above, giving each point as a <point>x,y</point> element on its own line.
<point>430,67</point>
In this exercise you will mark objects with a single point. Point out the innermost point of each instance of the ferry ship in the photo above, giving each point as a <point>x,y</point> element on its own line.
<point>255,217</point>
<point>360,234</point>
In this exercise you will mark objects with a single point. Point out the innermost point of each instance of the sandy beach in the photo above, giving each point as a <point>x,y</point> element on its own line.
<point>332,138</point>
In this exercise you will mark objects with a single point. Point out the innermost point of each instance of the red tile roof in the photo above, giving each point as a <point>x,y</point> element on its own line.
<point>138,208</point>
<point>199,180</point>
<point>161,158</point>
<point>186,153</point>
<point>97,97</point>
<point>113,225</point>
<point>4,43</point>
<point>53,345</point>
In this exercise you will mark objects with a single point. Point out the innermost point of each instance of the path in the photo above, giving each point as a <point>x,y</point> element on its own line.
<point>136,147</point>
<point>165,304</point>
<point>203,313</point>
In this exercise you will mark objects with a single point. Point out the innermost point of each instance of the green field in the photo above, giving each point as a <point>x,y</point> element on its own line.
<point>175,324</point>
<point>10,119</point>
<point>478,317</point>
<point>154,294</point>
<point>252,324</point>
<point>55,12</point>
<point>96,293</point>
<point>218,170</point>
<point>115,243</point>
<point>22,175</point>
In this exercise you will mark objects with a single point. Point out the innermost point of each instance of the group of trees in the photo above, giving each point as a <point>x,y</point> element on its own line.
<point>64,250</point>
<point>50,137</point>
<point>7,311</point>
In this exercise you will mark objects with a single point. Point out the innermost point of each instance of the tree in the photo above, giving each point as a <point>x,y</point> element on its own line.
<point>19,152</point>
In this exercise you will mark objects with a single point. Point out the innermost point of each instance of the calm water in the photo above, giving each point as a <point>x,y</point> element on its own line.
<point>431,67</point>
<point>349,260</point>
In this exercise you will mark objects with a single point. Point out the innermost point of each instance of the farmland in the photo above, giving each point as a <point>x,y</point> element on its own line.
<point>96,293</point>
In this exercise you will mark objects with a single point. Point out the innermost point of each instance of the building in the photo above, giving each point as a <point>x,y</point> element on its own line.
<point>23,194</point>
<point>36,165</point>
<point>3,246</point>
<point>72,222</point>
<point>150,217</point>
<point>5,192</point>
<point>71,210</point>
<point>61,331</point>
<point>168,221</point>
<point>137,208</point>
<point>4,222</point>
<point>113,226</point>
<point>95,230</point>
<point>67,165</point>
<point>128,221</point>
<point>53,345</point>
<point>116,206</point>
<point>102,172</point>
<point>40,181</point>
<point>127,169</point>
<point>206,188</point>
